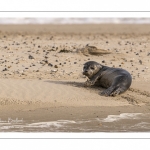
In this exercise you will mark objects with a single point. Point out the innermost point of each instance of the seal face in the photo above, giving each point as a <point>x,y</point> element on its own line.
<point>115,80</point>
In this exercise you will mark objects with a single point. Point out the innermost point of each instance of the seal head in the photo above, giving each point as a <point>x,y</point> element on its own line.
<point>90,68</point>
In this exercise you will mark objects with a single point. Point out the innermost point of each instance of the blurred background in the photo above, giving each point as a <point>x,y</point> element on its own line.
<point>74,20</point>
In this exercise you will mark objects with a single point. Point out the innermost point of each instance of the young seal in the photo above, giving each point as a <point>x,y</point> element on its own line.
<point>116,80</point>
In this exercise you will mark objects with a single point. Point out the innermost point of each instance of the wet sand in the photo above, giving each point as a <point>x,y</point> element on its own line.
<point>41,70</point>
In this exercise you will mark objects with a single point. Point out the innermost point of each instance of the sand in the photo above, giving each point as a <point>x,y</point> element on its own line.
<point>41,70</point>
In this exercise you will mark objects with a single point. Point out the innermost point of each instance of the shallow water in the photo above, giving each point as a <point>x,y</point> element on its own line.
<point>125,122</point>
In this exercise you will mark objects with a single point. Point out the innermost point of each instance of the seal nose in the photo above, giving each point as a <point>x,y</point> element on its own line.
<point>85,72</point>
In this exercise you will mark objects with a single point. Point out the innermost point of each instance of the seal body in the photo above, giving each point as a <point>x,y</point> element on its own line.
<point>115,80</point>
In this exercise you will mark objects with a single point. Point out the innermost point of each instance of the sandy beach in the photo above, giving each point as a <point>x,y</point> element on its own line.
<point>41,70</point>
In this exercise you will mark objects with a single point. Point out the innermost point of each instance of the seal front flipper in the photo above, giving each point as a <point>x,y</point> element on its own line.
<point>93,80</point>
<point>89,83</point>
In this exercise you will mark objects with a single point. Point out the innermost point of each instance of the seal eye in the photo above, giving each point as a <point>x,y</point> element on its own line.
<point>92,68</point>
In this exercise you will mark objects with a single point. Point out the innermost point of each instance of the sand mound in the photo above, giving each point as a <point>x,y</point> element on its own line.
<point>57,93</point>
<point>92,50</point>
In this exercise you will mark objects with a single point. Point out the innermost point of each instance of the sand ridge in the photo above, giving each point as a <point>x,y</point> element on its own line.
<point>60,93</point>
<point>64,93</point>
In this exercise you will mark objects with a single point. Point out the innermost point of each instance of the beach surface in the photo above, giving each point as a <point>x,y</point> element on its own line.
<point>41,71</point>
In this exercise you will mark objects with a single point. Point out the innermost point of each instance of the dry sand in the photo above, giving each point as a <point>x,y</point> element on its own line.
<point>41,70</point>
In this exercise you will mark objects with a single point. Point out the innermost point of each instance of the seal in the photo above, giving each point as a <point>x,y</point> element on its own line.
<point>115,80</point>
